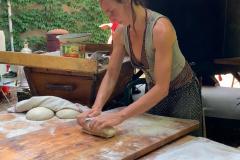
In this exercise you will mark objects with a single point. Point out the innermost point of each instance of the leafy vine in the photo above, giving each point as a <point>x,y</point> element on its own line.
<point>76,16</point>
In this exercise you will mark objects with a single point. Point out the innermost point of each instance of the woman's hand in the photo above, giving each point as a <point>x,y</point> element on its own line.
<point>87,114</point>
<point>105,120</point>
<point>106,26</point>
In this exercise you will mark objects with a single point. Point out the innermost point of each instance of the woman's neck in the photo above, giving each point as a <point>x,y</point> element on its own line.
<point>140,18</point>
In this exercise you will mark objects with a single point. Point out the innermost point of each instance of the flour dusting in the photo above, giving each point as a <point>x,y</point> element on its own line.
<point>201,149</point>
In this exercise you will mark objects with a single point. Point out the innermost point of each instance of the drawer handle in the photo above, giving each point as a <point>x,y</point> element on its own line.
<point>62,87</point>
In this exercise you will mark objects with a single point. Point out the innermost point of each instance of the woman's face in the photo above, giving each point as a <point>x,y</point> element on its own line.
<point>117,11</point>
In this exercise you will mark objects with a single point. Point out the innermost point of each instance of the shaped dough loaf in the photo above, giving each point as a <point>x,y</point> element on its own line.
<point>50,102</point>
<point>39,114</point>
<point>67,114</point>
<point>107,132</point>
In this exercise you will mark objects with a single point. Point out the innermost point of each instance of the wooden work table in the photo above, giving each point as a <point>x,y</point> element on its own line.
<point>140,137</point>
<point>59,139</point>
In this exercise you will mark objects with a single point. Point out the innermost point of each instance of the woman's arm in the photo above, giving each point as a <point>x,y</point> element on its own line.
<point>109,81</point>
<point>110,78</point>
<point>163,39</point>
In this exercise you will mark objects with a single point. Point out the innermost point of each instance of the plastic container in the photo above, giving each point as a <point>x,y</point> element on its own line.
<point>21,74</point>
<point>72,45</point>
<point>74,50</point>
<point>53,43</point>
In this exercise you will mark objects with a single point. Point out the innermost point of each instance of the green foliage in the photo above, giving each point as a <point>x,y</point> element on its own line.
<point>76,16</point>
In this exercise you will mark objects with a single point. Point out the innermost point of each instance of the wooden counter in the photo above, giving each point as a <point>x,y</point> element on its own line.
<point>74,79</point>
<point>62,139</point>
<point>65,140</point>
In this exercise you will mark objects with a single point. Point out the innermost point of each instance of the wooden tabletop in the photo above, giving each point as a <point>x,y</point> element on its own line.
<point>65,140</point>
<point>49,62</point>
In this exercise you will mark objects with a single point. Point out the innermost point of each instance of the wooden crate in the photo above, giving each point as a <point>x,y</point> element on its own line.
<point>76,86</point>
<point>73,86</point>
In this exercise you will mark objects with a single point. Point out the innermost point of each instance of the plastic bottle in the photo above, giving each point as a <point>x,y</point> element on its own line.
<point>25,49</point>
<point>21,74</point>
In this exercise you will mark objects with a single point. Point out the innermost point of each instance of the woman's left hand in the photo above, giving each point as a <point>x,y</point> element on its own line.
<point>106,120</point>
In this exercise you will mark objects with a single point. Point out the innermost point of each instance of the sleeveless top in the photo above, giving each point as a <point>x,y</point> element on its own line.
<point>181,72</point>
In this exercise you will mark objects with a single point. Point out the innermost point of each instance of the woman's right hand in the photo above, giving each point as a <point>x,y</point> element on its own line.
<point>94,112</point>
<point>88,114</point>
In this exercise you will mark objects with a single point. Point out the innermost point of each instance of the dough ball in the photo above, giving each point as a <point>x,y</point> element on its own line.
<point>67,114</point>
<point>107,132</point>
<point>39,114</point>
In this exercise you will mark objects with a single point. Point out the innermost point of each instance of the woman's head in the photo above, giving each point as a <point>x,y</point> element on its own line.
<point>120,10</point>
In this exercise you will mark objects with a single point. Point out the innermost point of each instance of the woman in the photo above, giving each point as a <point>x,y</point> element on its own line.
<point>150,40</point>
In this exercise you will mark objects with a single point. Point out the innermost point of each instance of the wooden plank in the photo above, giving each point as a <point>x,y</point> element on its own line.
<point>49,62</point>
<point>136,137</point>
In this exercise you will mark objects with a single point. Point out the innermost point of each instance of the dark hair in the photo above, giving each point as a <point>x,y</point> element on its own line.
<point>136,2</point>
<point>139,2</point>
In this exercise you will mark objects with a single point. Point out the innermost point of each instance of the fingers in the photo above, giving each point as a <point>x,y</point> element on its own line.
<point>94,123</point>
<point>94,114</point>
<point>87,123</point>
<point>81,118</point>
<point>101,126</point>
<point>92,120</point>
<point>85,119</point>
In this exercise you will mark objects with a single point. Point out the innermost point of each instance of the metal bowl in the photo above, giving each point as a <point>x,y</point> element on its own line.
<point>74,37</point>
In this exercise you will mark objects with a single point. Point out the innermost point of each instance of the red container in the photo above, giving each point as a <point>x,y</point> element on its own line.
<point>53,43</point>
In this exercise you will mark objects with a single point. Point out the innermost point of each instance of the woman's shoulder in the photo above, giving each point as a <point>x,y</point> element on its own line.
<point>163,30</point>
<point>162,25</point>
<point>154,14</point>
